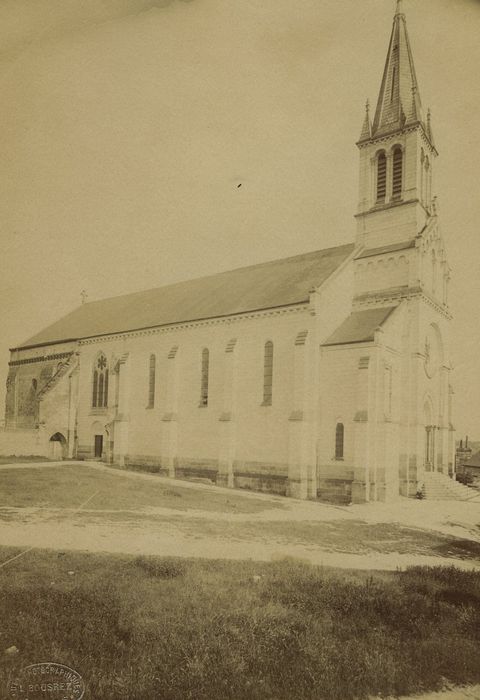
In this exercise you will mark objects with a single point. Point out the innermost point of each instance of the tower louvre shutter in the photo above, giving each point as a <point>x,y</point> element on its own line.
<point>381,177</point>
<point>397,173</point>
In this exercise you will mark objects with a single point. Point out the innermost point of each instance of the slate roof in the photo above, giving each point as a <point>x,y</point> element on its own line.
<point>266,285</point>
<point>360,326</point>
<point>392,248</point>
<point>399,98</point>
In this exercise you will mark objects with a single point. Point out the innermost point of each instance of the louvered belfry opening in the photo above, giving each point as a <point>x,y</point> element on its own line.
<point>381,177</point>
<point>397,175</point>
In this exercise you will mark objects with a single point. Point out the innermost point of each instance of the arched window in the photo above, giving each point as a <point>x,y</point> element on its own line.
<point>397,174</point>
<point>100,383</point>
<point>268,373</point>
<point>204,378</point>
<point>381,176</point>
<point>339,440</point>
<point>151,382</point>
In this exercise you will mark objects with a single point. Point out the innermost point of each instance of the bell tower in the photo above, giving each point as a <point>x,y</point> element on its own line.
<point>397,152</point>
<point>401,251</point>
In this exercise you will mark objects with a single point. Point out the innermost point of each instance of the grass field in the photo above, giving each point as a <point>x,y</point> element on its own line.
<point>150,628</point>
<point>69,486</point>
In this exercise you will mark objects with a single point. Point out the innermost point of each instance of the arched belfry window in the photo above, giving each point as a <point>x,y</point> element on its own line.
<point>397,173</point>
<point>100,382</point>
<point>151,381</point>
<point>204,377</point>
<point>339,440</point>
<point>268,373</point>
<point>381,176</point>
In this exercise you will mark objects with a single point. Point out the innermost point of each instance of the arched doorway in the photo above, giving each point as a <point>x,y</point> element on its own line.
<point>57,446</point>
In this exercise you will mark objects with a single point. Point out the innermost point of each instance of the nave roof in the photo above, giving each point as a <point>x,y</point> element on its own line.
<point>267,285</point>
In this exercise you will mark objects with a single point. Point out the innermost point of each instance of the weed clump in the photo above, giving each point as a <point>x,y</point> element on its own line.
<point>161,568</point>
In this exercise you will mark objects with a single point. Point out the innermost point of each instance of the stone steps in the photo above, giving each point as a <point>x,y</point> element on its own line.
<point>439,487</point>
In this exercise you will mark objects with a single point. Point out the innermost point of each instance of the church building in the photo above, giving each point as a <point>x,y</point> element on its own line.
<point>321,376</point>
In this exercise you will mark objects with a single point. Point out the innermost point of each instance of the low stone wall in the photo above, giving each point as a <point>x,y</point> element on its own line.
<point>334,483</point>
<point>260,476</point>
<point>198,469</point>
<point>335,491</point>
<point>18,442</point>
<point>266,483</point>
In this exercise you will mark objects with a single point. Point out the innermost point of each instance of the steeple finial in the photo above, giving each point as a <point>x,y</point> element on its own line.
<point>367,123</point>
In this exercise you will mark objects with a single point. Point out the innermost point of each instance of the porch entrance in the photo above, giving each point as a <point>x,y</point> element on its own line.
<point>57,446</point>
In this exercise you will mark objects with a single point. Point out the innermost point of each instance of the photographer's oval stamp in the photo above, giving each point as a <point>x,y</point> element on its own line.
<point>47,681</point>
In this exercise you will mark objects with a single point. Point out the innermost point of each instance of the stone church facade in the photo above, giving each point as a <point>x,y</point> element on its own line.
<point>325,375</point>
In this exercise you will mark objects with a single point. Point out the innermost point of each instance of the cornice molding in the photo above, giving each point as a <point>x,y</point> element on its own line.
<point>41,358</point>
<point>381,138</point>
<point>226,320</point>
<point>395,296</point>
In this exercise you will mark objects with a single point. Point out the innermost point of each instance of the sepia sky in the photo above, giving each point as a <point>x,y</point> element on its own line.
<point>126,127</point>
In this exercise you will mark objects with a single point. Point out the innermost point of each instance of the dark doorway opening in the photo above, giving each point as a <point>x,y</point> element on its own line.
<point>98,446</point>
<point>58,446</point>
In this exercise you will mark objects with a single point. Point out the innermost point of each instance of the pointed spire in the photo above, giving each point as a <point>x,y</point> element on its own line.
<point>399,100</point>
<point>367,124</point>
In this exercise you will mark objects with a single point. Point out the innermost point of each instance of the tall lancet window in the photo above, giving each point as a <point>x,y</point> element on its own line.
<point>397,175</point>
<point>268,374</point>
<point>339,440</point>
<point>381,176</point>
<point>204,377</point>
<point>151,381</point>
<point>100,382</point>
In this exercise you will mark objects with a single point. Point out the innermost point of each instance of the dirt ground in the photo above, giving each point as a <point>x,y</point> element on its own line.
<point>369,536</point>
<point>470,693</point>
<point>195,520</point>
